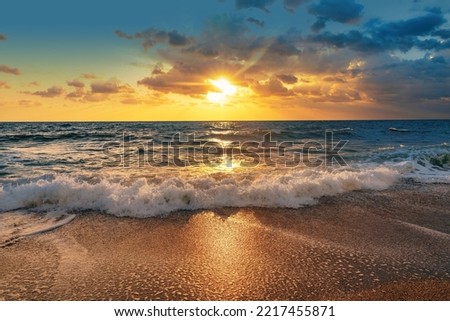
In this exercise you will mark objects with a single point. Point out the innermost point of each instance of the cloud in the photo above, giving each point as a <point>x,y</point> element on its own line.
<point>77,93</point>
<point>259,4</point>
<point>98,90</point>
<point>3,37</point>
<point>257,22</point>
<point>131,101</point>
<point>75,83</point>
<point>379,36</point>
<point>89,76</point>
<point>334,79</point>
<point>33,84</point>
<point>272,87</point>
<point>111,86</point>
<point>9,70</point>
<point>152,36</point>
<point>292,5</point>
<point>442,33</point>
<point>51,92</point>
<point>343,11</point>
<point>29,103</point>
<point>181,79</point>
<point>4,85</point>
<point>288,79</point>
<point>409,82</point>
<point>344,67</point>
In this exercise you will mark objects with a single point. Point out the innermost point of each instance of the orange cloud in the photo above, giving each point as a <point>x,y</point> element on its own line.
<point>4,85</point>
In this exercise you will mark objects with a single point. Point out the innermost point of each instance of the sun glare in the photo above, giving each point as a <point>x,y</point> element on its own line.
<point>224,90</point>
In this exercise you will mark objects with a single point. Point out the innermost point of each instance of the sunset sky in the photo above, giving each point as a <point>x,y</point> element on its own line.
<point>224,60</point>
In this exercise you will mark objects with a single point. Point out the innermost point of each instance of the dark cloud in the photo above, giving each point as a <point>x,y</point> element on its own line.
<point>273,87</point>
<point>288,79</point>
<point>181,78</point>
<point>111,86</point>
<point>152,36</point>
<point>259,4</point>
<point>99,90</point>
<point>257,22</point>
<point>442,33</point>
<point>78,93</point>
<point>3,37</point>
<point>419,26</point>
<point>122,34</point>
<point>292,5</point>
<point>319,24</point>
<point>379,36</point>
<point>410,84</point>
<point>158,69</point>
<point>285,45</point>
<point>75,83</point>
<point>51,92</point>
<point>334,79</point>
<point>9,70</point>
<point>4,85</point>
<point>343,11</point>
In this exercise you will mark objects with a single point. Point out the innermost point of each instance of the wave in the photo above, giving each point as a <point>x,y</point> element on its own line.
<point>400,130</point>
<point>142,198</point>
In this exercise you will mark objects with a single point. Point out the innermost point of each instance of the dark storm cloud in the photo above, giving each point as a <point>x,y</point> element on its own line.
<point>257,22</point>
<point>51,92</point>
<point>260,4</point>
<point>3,37</point>
<point>150,37</point>
<point>343,11</point>
<point>9,70</point>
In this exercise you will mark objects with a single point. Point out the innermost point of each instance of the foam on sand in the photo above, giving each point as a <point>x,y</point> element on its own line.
<point>18,224</point>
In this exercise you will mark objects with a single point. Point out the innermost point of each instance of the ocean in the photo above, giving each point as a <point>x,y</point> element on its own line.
<point>348,210</point>
<point>147,169</point>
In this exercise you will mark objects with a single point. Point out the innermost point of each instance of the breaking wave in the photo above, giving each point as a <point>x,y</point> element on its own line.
<point>143,198</point>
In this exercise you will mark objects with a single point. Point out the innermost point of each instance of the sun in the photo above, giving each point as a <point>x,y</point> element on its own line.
<point>224,91</point>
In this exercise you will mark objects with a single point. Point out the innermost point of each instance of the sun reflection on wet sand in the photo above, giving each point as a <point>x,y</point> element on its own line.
<point>226,252</point>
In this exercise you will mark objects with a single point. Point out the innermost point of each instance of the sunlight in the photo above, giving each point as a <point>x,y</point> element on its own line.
<point>224,90</point>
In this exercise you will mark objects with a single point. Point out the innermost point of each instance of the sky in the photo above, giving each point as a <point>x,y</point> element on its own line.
<point>173,60</point>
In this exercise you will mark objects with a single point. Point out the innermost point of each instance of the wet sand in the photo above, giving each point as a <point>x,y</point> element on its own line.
<point>387,245</point>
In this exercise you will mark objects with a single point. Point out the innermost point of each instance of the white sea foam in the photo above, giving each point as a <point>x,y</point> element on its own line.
<point>142,198</point>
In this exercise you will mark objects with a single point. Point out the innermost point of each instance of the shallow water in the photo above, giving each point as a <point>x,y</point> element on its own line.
<point>127,169</point>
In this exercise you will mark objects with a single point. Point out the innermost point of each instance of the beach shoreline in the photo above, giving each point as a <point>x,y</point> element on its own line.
<point>364,245</point>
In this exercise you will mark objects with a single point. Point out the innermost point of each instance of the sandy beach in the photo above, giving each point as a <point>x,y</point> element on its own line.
<point>367,245</point>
